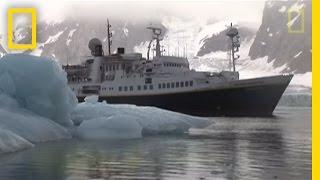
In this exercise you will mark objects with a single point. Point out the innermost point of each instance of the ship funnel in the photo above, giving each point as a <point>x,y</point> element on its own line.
<point>95,47</point>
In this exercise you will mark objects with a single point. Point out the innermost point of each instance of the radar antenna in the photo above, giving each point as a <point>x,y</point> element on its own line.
<point>233,34</point>
<point>157,36</point>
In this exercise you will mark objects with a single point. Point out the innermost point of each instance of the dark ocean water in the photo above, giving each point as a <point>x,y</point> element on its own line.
<point>232,148</point>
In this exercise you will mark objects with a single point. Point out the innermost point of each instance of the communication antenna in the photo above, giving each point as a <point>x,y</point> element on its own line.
<point>178,49</point>
<point>186,49</point>
<point>109,36</point>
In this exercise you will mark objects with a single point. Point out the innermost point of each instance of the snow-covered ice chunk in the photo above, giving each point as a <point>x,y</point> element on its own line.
<point>119,126</point>
<point>130,121</point>
<point>10,142</point>
<point>37,84</point>
<point>91,99</point>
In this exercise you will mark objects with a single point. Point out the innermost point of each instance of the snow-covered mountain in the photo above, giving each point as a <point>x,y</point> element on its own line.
<point>267,50</point>
<point>273,39</point>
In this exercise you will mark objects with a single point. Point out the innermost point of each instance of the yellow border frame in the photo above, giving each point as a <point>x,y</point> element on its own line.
<point>315,92</point>
<point>33,12</point>
<point>301,12</point>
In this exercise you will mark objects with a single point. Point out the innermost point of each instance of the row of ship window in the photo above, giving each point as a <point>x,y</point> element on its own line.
<point>174,65</point>
<point>114,67</point>
<point>160,86</point>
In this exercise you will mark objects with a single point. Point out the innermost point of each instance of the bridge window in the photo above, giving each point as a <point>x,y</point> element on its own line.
<point>145,87</point>
<point>148,80</point>
<point>125,88</point>
<point>191,83</point>
<point>159,86</point>
<point>120,88</point>
<point>139,88</point>
<point>163,85</point>
<point>168,85</point>
<point>177,84</point>
<point>131,88</point>
<point>181,84</point>
<point>187,83</point>
<point>151,87</point>
<point>172,85</point>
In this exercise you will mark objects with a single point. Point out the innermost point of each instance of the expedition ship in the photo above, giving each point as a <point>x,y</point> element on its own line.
<point>168,82</point>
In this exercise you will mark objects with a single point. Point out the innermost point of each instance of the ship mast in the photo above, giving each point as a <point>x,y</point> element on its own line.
<point>233,34</point>
<point>109,37</point>
<point>157,36</point>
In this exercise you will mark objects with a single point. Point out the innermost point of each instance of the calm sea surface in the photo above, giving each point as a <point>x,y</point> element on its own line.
<point>232,148</point>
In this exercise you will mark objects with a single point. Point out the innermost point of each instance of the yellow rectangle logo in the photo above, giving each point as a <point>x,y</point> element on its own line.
<point>33,12</point>
<point>300,12</point>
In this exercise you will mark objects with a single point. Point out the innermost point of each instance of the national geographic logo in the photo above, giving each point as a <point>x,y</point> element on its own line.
<point>33,12</point>
<point>296,20</point>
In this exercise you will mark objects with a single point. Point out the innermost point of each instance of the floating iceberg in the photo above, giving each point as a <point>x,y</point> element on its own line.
<point>37,105</point>
<point>35,101</point>
<point>104,121</point>
<point>37,84</point>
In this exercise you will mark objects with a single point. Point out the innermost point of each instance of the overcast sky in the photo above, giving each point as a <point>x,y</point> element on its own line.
<point>238,10</point>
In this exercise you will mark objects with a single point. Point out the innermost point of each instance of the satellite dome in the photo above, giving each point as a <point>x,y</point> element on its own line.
<point>93,43</point>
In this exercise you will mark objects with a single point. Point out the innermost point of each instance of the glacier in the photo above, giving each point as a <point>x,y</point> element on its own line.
<point>37,105</point>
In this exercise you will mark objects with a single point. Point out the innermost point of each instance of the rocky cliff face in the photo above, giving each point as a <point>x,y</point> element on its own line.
<point>218,42</point>
<point>274,40</point>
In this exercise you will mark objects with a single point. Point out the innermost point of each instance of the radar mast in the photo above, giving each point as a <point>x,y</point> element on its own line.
<point>233,34</point>
<point>157,36</point>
